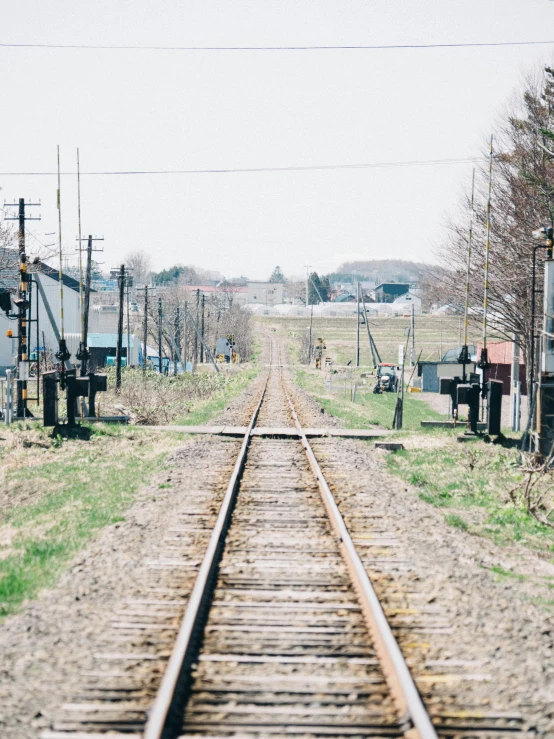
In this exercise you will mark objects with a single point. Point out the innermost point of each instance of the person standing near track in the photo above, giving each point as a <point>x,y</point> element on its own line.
<point>318,352</point>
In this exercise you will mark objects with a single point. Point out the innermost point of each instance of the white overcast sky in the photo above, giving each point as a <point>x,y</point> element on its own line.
<point>168,110</point>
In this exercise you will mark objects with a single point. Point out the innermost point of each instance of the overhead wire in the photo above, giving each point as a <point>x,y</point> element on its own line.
<point>237,170</point>
<point>304,47</point>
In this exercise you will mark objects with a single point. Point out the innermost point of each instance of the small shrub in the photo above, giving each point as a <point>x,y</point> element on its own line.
<point>456,521</point>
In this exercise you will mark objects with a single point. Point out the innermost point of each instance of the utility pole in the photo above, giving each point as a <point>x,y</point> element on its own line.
<point>515,386</point>
<point>22,304</point>
<point>484,363</point>
<point>177,332</point>
<point>160,335</point>
<point>195,335</point>
<point>145,334</point>
<point>121,280</point>
<point>464,351</point>
<point>375,358</point>
<point>203,327</point>
<point>185,338</point>
<point>83,355</point>
<point>357,324</point>
<point>62,355</point>
<point>412,350</point>
<point>128,285</point>
<point>310,336</point>
<point>307,281</point>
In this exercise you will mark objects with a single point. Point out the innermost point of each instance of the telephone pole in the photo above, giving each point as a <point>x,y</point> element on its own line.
<point>307,281</point>
<point>177,332</point>
<point>412,350</point>
<point>22,303</point>
<point>83,355</point>
<point>121,281</point>
<point>196,335</point>
<point>185,338</point>
<point>357,324</point>
<point>160,328</point>
<point>202,330</point>
<point>145,334</point>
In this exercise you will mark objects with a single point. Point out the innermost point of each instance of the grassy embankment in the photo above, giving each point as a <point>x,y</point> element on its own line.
<point>57,492</point>
<point>369,409</point>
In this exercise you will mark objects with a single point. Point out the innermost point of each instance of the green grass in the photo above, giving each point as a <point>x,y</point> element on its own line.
<point>88,490</point>
<point>369,409</point>
<point>502,573</point>
<point>234,384</point>
<point>90,485</point>
<point>473,477</point>
<point>457,521</point>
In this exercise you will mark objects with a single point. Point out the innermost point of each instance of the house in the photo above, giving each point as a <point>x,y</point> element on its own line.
<point>387,292</point>
<point>45,285</point>
<point>404,303</point>
<point>232,293</point>
<point>500,358</point>
<point>103,348</point>
<point>268,293</point>
<point>344,298</point>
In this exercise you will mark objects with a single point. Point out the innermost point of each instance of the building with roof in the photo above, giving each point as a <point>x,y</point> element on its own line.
<point>387,292</point>
<point>267,293</point>
<point>500,358</point>
<point>46,288</point>
<point>403,303</point>
<point>103,348</point>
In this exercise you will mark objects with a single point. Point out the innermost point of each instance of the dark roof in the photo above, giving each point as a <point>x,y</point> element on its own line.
<point>9,271</point>
<point>68,281</point>
<point>344,299</point>
<point>405,286</point>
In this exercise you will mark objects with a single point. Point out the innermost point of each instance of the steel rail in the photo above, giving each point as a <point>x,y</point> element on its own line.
<point>170,692</point>
<point>397,674</point>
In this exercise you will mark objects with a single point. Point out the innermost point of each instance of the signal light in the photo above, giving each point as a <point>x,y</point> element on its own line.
<point>9,333</point>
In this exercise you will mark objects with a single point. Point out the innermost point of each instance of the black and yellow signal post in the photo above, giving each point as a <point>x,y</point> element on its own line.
<point>21,301</point>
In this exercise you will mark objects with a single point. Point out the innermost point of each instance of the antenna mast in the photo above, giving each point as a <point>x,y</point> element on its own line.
<point>80,249</point>
<point>62,354</point>
<point>484,360</point>
<point>464,353</point>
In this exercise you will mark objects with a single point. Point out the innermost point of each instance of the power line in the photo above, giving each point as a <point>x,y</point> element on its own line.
<point>344,47</point>
<point>237,170</point>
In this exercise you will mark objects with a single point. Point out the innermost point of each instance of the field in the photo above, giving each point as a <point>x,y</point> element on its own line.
<point>434,335</point>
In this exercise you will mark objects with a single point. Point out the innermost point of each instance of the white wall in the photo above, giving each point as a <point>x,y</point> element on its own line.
<point>268,293</point>
<point>72,320</point>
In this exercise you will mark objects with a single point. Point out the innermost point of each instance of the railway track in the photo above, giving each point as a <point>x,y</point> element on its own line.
<point>282,634</point>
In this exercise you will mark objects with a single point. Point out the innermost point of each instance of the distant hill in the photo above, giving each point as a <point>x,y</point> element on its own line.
<point>380,270</point>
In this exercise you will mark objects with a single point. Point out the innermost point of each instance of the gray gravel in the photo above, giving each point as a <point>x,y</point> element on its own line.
<point>509,640</point>
<point>45,647</point>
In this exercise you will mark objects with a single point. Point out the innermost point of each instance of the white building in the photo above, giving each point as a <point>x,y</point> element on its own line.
<point>46,284</point>
<point>268,293</point>
<point>404,303</point>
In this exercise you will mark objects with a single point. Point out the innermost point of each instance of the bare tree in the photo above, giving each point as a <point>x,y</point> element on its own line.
<point>523,199</point>
<point>140,264</point>
<point>9,257</point>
